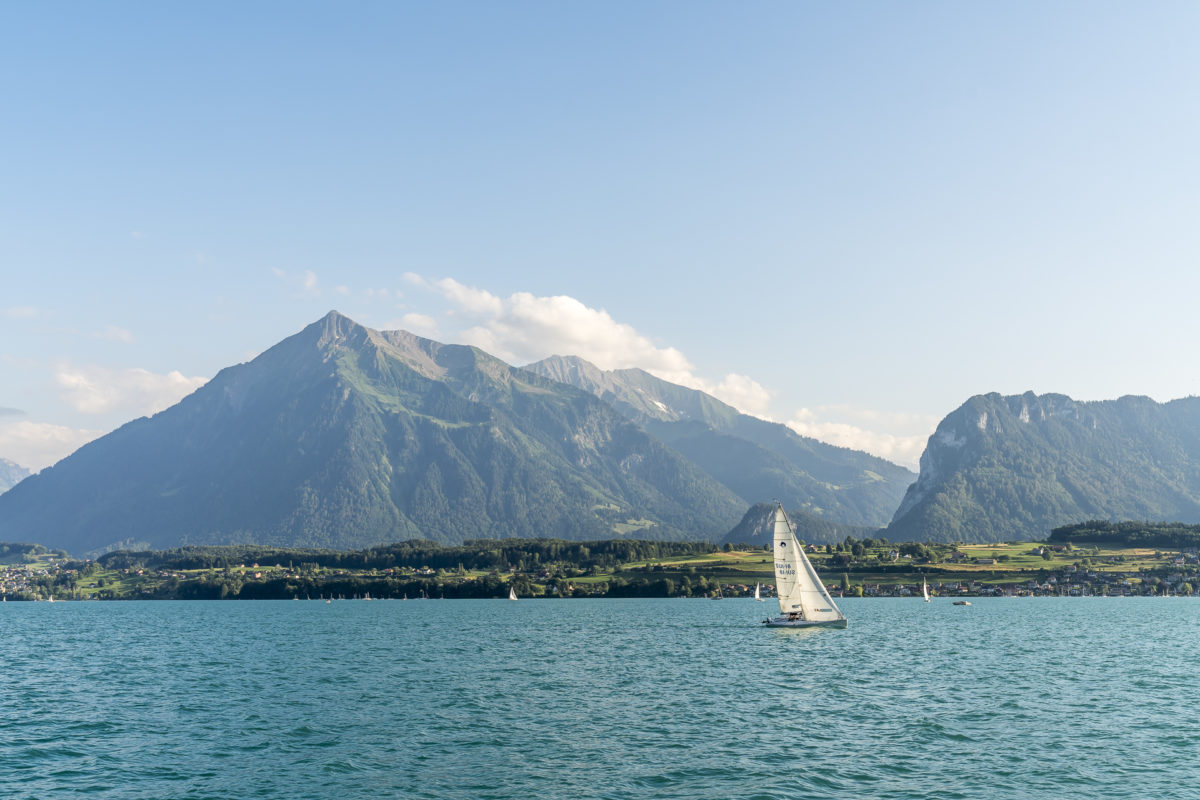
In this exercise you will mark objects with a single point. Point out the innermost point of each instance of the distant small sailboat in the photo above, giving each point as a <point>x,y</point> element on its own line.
<point>758,592</point>
<point>925,589</point>
<point>512,593</point>
<point>804,602</point>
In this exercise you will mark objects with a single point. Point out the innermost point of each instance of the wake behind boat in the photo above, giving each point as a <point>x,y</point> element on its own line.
<point>803,599</point>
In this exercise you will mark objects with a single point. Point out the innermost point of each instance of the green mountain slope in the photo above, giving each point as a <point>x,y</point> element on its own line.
<point>1002,468</point>
<point>757,460</point>
<point>342,437</point>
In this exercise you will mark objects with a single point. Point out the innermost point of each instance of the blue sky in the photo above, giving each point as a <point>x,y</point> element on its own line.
<point>849,217</point>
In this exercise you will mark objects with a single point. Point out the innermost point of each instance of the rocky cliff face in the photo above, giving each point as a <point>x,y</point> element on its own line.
<point>1008,467</point>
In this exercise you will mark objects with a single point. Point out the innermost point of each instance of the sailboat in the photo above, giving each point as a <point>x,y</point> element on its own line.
<point>804,601</point>
<point>512,593</point>
<point>925,588</point>
<point>758,592</point>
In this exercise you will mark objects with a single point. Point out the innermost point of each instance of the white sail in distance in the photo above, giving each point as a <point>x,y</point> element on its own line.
<point>799,587</point>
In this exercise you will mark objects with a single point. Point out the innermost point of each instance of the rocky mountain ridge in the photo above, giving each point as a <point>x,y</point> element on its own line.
<point>756,459</point>
<point>1014,467</point>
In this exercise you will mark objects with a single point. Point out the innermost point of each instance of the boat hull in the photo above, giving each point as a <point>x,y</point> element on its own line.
<point>781,622</point>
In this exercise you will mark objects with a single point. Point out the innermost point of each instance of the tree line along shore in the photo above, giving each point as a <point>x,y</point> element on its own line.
<point>1094,558</point>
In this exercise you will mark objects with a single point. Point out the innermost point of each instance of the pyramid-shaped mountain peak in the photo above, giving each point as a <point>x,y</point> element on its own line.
<point>343,436</point>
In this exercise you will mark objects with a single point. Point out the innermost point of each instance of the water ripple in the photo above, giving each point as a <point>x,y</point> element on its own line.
<point>607,699</point>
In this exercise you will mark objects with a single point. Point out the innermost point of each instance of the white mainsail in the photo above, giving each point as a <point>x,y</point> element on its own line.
<point>758,592</point>
<point>925,589</point>
<point>512,593</point>
<point>799,587</point>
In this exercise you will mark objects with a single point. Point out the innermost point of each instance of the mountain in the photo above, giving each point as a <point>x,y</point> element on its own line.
<point>341,436</point>
<point>1014,467</point>
<point>11,473</point>
<point>755,459</point>
<point>758,528</point>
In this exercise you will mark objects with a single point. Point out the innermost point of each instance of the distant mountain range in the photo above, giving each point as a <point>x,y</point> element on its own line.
<point>756,459</point>
<point>11,473</point>
<point>1003,468</point>
<point>342,437</point>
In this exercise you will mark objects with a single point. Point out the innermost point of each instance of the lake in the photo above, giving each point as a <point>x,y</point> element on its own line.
<point>1012,698</point>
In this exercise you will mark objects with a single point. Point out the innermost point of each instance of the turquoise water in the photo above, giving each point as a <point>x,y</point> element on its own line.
<point>1024,698</point>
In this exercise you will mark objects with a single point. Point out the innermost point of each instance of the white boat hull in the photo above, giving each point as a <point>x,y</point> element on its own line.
<point>784,622</point>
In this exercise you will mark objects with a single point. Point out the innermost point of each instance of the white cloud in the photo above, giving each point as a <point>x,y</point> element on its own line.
<point>477,301</point>
<point>99,390</point>
<point>114,334</point>
<point>844,426</point>
<point>524,327</point>
<point>20,312</point>
<point>37,445</point>
<point>420,324</point>
<point>744,394</point>
<point>306,283</point>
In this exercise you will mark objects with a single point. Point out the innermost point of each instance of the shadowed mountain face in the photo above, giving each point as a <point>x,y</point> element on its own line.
<point>758,528</point>
<point>343,437</point>
<point>1003,468</point>
<point>755,459</point>
<point>11,473</point>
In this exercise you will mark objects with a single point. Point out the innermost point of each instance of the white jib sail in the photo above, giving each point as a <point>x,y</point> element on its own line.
<point>799,587</point>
